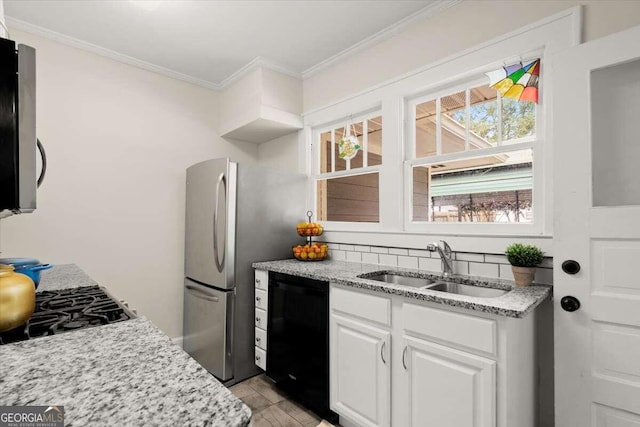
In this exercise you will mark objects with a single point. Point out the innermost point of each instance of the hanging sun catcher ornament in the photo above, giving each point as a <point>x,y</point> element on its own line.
<point>517,81</point>
<point>348,146</point>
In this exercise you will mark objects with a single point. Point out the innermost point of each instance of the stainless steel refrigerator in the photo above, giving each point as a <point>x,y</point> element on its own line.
<point>235,215</point>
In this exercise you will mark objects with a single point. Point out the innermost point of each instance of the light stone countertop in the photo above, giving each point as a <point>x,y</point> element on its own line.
<point>127,374</point>
<point>517,303</point>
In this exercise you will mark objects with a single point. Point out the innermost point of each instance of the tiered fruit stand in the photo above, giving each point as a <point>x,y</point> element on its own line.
<point>310,251</point>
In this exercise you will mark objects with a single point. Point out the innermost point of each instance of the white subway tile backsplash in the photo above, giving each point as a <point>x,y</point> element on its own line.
<point>474,264</point>
<point>419,253</point>
<point>370,258</point>
<point>354,256</point>
<point>544,276</point>
<point>505,272</point>
<point>430,264</point>
<point>463,256</point>
<point>484,270</point>
<point>407,262</point>
<point>547,262</point>
<point>398,251</point>
<point>379,250</point>
<point>497,259</point>
<point>388,260</point>
<point>460,267</point>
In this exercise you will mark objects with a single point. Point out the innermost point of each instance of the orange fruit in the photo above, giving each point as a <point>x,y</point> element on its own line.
<point>312,255</point>
<point>303,255</point>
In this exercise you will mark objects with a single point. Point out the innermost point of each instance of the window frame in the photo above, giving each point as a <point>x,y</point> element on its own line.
<point>535,143</point>
<point>550,36</point>
<point>316,166</point>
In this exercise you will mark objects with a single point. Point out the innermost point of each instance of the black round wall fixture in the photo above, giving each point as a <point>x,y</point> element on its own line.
<point>570,266</point>
<point>569,303</point>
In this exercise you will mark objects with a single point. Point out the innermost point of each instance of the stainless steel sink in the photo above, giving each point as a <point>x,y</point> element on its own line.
<point>469,290</point>
<point>414,282</point>
<point>437,285</point>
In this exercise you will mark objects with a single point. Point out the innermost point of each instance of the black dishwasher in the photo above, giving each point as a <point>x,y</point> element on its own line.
<point>298,340</point>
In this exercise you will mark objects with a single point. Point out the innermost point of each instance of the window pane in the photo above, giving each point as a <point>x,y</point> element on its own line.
<point>421,178</point>
<point>518,119</point>
<point>426,129</point>
<point>452,121</point>
<point>374,127</point>
<point>351,198</point>
<point>341,164</point>
<point>325,152</point>
<point>486,189</point>
<point>483,125</point>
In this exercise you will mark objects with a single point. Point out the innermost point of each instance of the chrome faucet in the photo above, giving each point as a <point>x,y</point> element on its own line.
<point>445,255</point>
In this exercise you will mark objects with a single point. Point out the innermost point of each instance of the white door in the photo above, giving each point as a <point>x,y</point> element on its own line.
<point>596,143</point>
<point>448,387</point>
<point>360,372</point>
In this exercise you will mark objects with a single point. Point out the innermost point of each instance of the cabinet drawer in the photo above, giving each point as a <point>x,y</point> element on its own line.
<point>261,338</point>
<point>261,319</point>
<point>261,358</point>
<point>261,299</point>
<point>365,306</point>
<point>262,279</point>
<point>467,331</point>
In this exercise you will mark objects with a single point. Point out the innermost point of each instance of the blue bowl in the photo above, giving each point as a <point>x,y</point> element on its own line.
<point>28,266</point>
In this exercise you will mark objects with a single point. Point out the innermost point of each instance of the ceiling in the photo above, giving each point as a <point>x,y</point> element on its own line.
<point>208,42</point>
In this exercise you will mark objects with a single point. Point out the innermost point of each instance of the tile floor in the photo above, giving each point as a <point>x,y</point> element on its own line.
<point>271,407</point>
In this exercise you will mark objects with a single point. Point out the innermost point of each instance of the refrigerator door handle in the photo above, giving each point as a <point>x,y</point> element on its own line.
<point>202,294</point>
<point>219,264</point>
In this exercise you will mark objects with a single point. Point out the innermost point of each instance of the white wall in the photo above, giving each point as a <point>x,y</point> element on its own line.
<point>462,26</point>
<point>281,153</point>
<point>118,141</point>
<point>3,33</point>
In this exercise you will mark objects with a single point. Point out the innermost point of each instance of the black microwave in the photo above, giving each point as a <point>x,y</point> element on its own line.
<point>18,141</point>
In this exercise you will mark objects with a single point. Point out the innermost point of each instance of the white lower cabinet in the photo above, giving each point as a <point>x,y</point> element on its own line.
<point>448,387</point>
<point>360,372</point>
<point>400,362</point>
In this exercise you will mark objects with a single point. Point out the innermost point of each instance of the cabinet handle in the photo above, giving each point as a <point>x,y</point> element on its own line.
<point>258,299</point>
<point>257,319</point>
<point>258,339</point>
<point>258,281</point>
<point>404,353</point>
<point>258,358</point>
<point>382,352</point>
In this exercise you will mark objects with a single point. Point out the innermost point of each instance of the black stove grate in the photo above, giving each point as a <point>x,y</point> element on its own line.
<point>67,310</point>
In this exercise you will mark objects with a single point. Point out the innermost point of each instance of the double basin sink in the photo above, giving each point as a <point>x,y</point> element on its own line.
<point>436,285</point>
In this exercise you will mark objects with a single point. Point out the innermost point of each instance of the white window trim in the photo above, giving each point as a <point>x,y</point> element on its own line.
<point>549,36</point>
<point>316,175</point>
<point>535,143</point>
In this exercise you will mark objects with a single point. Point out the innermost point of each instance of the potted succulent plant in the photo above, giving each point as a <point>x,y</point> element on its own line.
<point>523,259</point>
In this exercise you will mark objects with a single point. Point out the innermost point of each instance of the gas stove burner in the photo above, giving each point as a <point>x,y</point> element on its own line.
<point>75,325</point>
<point>68,310</point>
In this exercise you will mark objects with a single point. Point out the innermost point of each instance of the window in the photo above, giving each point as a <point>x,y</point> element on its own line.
<point>472,157</point>
<point>348,189</point>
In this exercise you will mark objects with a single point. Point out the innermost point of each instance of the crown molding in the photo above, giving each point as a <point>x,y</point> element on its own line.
<point>434,8</point>
<point>258,62</point>
<point>107,53</point>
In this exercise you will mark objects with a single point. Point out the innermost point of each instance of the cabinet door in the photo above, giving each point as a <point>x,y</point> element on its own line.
<point>448,387</point>
<point>360,372</point>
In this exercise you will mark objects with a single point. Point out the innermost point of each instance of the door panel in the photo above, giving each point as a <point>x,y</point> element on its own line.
<point>207,327</point>
<point>596,103</point>
<point>360,372</point>
<point>448,387</point>
<point>205,195</point>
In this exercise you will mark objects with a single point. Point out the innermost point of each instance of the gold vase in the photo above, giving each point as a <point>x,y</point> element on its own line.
<point>17,298</point>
